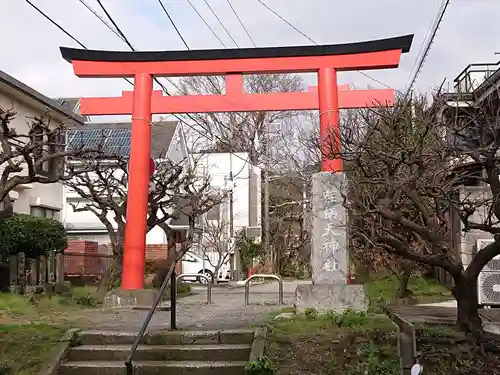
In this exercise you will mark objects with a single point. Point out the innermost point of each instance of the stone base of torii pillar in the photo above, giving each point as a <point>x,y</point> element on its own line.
<point>329,290</point>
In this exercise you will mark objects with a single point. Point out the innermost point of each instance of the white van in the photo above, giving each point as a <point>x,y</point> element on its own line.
<point>193,263</point>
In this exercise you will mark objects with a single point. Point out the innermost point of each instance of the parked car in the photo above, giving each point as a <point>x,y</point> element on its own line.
<point>193,263</point>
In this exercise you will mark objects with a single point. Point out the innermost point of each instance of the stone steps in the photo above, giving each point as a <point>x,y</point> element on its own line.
<point>238,336</point>
<point>223,352</point>
<point>155,368</point>
<point>208,352</point>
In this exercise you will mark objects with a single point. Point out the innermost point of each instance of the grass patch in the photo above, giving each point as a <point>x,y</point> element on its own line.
<point>350,343</point>
<point>423,290</point>
<point>365,344</point>
<point>47,308</point>
<point>25,348</point>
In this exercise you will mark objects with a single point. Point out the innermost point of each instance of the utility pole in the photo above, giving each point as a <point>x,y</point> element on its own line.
<point>265,237</point>
<point>267,248</point>
<point>237,257</point>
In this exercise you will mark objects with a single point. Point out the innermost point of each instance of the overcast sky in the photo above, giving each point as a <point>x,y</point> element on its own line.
<point>30,44</point>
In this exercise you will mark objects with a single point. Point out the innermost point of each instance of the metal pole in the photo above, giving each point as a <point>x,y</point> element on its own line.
<point>280,292</point>
<point>173,299</point>
<point>209,292</point>
<point>264,276</point>
<point>142,331</point>
<point>247,292</point>
<point>205,277</point>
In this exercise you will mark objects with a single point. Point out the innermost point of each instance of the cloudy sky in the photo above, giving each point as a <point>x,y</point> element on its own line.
<point>469,33</point>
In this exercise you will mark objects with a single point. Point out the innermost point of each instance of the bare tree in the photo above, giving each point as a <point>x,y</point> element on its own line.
<point>178,191</point>
<point>406,171</point>
<point>290,223</point>
<point>35,156</point>
<point>253,132</point>
<point>268,137</point>
<point>214,244</point>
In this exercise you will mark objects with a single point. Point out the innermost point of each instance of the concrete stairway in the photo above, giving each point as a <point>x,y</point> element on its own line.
<point>173,353</point>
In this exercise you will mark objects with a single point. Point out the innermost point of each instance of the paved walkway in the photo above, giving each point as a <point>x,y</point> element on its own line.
<point>227,310</point>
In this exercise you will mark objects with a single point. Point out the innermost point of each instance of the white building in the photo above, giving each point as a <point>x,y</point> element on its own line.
<point>37,199</point>
<point>246,190</point>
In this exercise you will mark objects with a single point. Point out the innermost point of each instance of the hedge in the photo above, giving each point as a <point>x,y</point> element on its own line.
<point>31,235</point>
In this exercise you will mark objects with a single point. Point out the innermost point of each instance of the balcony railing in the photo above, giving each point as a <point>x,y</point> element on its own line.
<point>473,76</point>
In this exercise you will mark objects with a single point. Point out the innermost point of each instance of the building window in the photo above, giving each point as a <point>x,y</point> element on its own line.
<point>45,212</point>
<point>214,213</point>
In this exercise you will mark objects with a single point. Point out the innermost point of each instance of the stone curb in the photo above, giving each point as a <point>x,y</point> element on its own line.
<point>52,366</point>
<point>258,344</point>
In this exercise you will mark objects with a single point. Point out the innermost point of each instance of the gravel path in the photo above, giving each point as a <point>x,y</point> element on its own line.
<point>227,310</point>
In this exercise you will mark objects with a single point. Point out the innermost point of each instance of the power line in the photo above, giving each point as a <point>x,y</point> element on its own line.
<point>286,21</point>
<point>221,23</point>
<point>125,39</point>
<point>422,46</point>
<point>312,40</point>
<point>210,79</point>
<point>173,23</point>
<point>47,17</point>
<point>241,22</point>
<point>116,26</point>
<point>206,23</point>
<point>56,24</point>
<point>156,79</point>
<point>110,27</point>
<point>421,62</point>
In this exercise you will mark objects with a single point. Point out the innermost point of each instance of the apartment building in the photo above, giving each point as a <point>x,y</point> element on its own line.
<point>44,200</point>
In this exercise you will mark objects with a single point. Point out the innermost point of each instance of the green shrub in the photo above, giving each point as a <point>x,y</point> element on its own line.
<point>373,361</point>
<point>31,235</point>
<point>261,366</point>
<point>5,370</point>
<point>311,313</point>
<point>86,297</point>
<point>349,318</point>
<point>249,250</point>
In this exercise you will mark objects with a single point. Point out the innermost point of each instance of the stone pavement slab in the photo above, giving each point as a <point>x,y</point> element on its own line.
<point>226,312</point>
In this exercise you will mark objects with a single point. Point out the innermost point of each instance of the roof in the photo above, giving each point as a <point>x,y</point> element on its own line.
<point>51,104</point>
<point>402,43</point>
<point>70,104</point>
<point>116,137</point>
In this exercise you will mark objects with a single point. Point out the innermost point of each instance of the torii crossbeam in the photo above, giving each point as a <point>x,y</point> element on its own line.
<point>328,98</point>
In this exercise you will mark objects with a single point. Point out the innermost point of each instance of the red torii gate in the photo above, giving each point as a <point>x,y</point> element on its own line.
<point>328,97</point>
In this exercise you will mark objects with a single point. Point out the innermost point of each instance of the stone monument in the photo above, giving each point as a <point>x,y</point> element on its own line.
<point>329,289</point>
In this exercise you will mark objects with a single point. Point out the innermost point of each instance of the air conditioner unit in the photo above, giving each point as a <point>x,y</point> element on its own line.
<point>488,281</point>
<point>488,288</point>
<point>252,232</point>
<point>492,265</point>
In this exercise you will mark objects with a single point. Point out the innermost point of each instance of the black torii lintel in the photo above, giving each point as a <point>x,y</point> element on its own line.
<point>402,43</point>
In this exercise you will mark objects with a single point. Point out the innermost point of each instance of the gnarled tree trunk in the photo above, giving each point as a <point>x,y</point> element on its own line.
<point>468,319</point>
<point>404,278</point>
<point>112,278</point>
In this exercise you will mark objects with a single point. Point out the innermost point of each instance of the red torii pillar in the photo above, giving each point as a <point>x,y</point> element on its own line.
<point>326,60</point>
